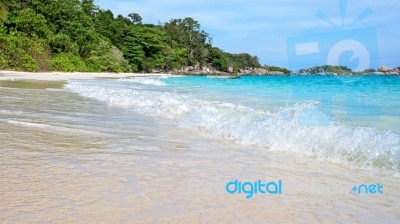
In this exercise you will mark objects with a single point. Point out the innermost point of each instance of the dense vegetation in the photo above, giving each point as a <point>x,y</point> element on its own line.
<point>74,35</point>
<point>278,69</point>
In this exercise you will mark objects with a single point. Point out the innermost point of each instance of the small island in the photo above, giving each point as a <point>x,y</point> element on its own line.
<point>343,70</point>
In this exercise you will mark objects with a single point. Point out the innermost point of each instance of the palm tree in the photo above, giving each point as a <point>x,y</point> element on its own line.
<point>3,10</point>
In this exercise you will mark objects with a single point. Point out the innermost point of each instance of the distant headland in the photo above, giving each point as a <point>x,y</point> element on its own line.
<point>343,70</point>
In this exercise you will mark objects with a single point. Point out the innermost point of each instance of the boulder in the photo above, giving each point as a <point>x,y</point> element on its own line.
<point>383,69</point>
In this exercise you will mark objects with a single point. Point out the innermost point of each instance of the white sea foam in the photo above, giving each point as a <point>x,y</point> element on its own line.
<point>299,128</point>
<point>146,81</point>
<point>52,127</point>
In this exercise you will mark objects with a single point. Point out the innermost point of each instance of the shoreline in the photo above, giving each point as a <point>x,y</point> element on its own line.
<point>65,76</point>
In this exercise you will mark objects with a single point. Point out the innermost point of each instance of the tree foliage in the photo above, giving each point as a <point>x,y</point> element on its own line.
<point>3,11</point>
<point>77,35</point>
<point>136,18</point>
<point>278,69</point>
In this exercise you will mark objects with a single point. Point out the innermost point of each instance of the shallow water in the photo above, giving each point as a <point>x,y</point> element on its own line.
<point>353,121</point>
<point>162,151</point>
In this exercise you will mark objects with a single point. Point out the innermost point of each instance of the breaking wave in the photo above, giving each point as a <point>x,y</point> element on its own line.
<point>300,128</point>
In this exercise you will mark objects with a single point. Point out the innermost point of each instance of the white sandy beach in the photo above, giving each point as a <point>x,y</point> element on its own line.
<point>60,76</point>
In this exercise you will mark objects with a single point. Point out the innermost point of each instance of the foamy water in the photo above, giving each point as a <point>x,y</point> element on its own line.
<point>161,150</point>
<point>301,127</point>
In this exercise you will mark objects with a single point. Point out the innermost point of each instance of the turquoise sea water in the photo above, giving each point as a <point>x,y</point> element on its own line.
<point>352,121</point>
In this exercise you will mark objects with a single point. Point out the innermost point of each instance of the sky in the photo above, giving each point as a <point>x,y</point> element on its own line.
<point>288,33</point>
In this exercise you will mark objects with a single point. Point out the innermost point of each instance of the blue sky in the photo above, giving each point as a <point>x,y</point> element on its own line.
<point>263,27</point>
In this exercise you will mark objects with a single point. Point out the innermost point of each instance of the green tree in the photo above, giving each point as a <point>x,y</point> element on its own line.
<point>219,59</point>
<point>136,18</point>
<point>278,69</point>
<point>63,43</point>
<point>107,58</point>
<point>3,11</point>
<point>16,52</point>
<point>31,23</point>
<point>89,7</point>
<point>146,47</point>
<point>135,54</point>
<point>76,35</point>
<point>188,34</point>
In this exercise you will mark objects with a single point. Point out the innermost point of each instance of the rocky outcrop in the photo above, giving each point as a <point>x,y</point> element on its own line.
<point>259,71</point>
<point>208,70</point>
<point>384,70</point>
<point>197,70</point>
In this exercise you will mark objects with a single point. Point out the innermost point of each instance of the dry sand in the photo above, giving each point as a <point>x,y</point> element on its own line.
<point>59,76</point>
